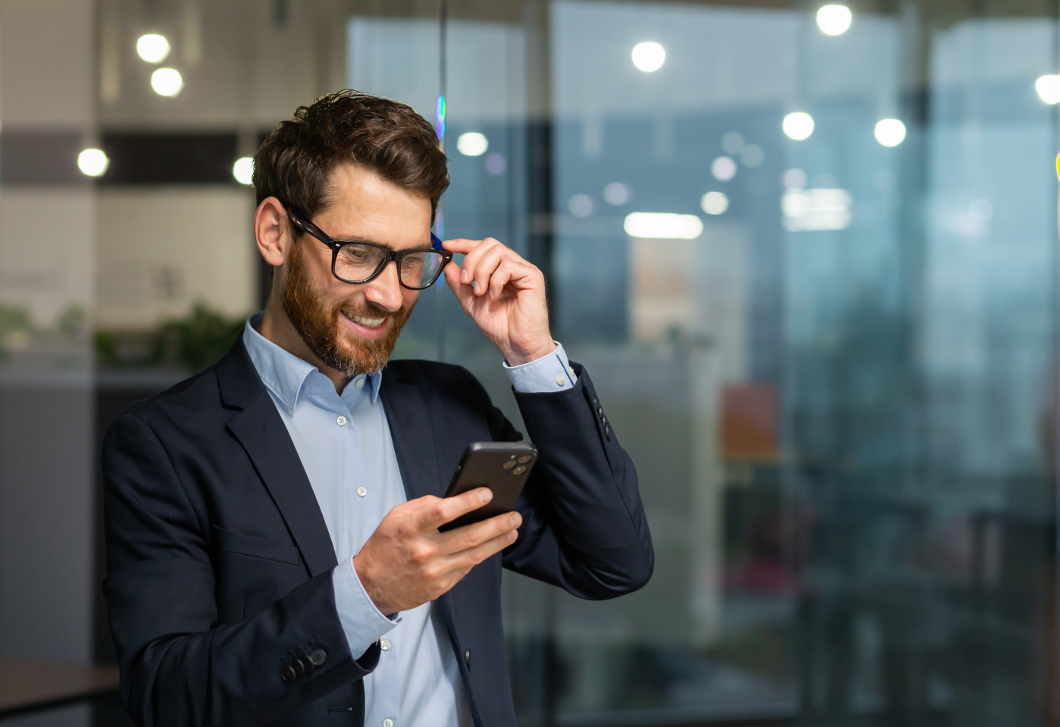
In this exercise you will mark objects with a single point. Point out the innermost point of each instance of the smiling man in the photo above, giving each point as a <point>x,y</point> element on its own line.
<point>272,524</point>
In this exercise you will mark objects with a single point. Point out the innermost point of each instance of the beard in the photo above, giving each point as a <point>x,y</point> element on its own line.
<point>326,334</point>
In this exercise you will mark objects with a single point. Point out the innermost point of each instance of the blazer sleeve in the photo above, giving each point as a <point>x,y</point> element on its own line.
<point>178,665</point>
<point>584,527</point>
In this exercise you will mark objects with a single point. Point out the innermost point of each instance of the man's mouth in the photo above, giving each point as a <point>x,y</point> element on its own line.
<point>365,321</point>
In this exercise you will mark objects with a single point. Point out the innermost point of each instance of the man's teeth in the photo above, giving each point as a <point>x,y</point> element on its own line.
<point>366,322</point>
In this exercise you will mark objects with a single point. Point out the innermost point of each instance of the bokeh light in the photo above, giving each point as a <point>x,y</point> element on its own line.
<point>1048,88</point>
<point>93,162</point>
<point>617,194</point>
<point>243,170</point>
<point>714,203</point>
<point>834,19</point>
<point>649,56</point>
<point>167,81</point>
<point>581,205</point>
<point>890,132</point>
<point>663,226</point>
<point>472,144</point>
<point>798,125</point>
<point>723,168</point>
<point>152,47</point>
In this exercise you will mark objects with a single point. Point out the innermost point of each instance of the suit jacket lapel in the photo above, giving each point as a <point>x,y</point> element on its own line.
<point>412,432</point>
<point>261,431</point>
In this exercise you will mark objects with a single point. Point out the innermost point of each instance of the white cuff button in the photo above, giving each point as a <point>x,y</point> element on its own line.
<point>341,421</point>
<point>561,381</point>
<point>388,722</point>
<point>361,492</point>
<point>384,645</point>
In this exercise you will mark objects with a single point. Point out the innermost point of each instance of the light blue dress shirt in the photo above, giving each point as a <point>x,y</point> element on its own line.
<point>344,443</point>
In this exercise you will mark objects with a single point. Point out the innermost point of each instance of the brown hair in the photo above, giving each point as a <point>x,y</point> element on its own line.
<point>295,161</point>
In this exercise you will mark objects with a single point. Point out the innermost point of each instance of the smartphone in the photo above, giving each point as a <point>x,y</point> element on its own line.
<point>501,466</point>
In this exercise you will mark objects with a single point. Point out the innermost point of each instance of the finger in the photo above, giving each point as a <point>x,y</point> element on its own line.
<point>464,294</point>
<point>518,273</point>
<point>439,513</point>
<point>461,246</point>
<point>471,536</point>
<point>485,267</point>
<point>468,559</point>
<point>473,259</point>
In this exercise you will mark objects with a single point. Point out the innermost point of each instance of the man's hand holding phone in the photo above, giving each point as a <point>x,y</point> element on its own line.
<point>408,562</point>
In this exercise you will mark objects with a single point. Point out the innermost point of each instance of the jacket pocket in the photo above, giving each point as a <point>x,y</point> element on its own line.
<point>256,547</point>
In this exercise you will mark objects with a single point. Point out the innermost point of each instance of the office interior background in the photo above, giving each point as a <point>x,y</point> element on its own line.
<point>808,256</point>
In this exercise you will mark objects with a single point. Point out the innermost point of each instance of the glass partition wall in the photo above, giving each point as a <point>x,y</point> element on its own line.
<point>808,257</point>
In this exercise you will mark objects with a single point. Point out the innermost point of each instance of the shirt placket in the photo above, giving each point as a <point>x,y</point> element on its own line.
<point>367,508</point>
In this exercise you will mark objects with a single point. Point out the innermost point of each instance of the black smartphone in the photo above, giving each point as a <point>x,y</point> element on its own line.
<point>501,466</point>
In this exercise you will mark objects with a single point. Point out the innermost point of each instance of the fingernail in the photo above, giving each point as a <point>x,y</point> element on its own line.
<point>511,535</point>
<point>515,520</point>
<point>464,275</point>
<point>484,494</point>
<point>492,295</point>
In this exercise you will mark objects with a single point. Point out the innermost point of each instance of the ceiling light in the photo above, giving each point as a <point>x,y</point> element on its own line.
<point>93,162</point>
<point>723,168</point>
<point>834,19</point>
<point>1048,88</point>
<point>243,170</point>
<point>152,47</point>
<point>798,125</point>
<point>663,226</point>
<point>649,56</point>
<point>890,132</point>
<point>617,194</point>
<point>167,81</point>
<point>714,203</point>
<point>472,144</point>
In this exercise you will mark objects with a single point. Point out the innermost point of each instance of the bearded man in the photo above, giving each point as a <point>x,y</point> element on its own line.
<point>272,524</point>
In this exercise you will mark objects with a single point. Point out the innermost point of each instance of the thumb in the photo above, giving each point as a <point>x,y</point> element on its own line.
<point>463,293</point>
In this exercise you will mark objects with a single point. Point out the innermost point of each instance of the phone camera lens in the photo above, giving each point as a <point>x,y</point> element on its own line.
<point>525,458</point>
<point>509,464</point>
<point>519,470</point>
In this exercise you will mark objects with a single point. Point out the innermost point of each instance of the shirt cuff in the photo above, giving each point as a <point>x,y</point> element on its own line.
<point>548,373</point>
<point>361,621</point>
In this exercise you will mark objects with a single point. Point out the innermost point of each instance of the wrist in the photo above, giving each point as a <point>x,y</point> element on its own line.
<point>518,357</point>
<point>363,575</point>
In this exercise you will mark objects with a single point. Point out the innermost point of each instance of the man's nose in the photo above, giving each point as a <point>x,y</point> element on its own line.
<point>385,290</point>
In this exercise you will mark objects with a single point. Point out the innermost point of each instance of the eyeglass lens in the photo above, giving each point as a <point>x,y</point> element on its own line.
<point>359,262</point>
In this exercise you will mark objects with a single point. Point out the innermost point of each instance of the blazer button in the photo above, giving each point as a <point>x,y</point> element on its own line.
<point>607,431</point>
<point>318,657</point>
<point>467,658</point>
<point>288,674</point>
<point>299,667</point>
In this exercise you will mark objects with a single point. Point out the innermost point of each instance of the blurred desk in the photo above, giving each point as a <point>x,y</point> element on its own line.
<point>29,686</point>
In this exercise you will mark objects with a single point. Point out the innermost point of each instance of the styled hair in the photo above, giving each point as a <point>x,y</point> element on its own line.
<point>295,162</point>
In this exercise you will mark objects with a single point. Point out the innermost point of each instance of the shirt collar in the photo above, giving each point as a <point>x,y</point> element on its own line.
<point>283,373</point>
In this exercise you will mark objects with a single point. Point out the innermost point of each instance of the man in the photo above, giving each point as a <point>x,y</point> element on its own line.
<point>273,550</point>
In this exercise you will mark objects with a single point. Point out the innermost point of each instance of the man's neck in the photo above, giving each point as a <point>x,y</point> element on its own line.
<point>277,327</point>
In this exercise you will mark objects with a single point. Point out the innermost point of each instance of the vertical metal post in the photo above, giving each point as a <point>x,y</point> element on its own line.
<point>443,22</point>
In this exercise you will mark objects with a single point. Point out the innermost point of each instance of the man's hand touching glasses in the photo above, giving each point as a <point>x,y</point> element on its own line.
<point>504,295</point>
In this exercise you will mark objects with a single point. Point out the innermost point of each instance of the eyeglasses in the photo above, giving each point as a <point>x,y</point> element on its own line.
<point>360,262</point>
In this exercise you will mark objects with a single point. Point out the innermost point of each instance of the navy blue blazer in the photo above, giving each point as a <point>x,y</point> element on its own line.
<point>219,562</point>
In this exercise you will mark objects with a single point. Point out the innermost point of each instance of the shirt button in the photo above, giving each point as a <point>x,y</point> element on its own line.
<point>388,722</point>
<point>561,381</point>
<point>359,383</point>
<point>384,645</point>
<point>361,492</point>
<point>341,421</point>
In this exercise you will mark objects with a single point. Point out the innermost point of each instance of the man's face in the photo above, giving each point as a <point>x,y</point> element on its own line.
<point>353,328</point>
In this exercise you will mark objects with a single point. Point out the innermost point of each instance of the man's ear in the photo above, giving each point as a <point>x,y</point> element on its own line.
<point>272,232</point>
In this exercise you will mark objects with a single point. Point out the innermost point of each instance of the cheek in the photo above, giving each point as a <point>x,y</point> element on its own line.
<point>409,297</point>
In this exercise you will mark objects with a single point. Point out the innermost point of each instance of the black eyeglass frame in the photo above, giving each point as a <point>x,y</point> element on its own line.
<point>300,222</point>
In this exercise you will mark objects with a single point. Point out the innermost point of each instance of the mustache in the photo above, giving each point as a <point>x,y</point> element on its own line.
<point>368,309</point>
